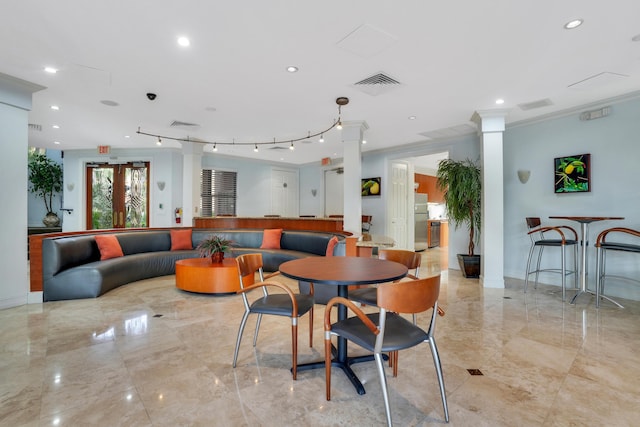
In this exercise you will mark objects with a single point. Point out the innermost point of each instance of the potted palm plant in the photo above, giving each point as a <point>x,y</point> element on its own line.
<point>214,246</point>
<point>461,184</point>
<point>45,177</point>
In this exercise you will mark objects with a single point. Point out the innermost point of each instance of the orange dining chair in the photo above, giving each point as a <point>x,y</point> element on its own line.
<point>278,304</point>
<point>387,330</point>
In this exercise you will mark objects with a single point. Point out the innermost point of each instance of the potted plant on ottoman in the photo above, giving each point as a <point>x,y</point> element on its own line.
<point>45,177</point>
<point>214,247</point>
<point>461,183</point>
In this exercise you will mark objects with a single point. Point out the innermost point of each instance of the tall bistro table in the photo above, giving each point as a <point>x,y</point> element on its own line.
<point>584,241</point>
<point>342,271</point>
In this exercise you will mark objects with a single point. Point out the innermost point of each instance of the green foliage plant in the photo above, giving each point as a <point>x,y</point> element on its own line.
<point>45,177</point>
<point>461,184</point>
<point>213,244</point>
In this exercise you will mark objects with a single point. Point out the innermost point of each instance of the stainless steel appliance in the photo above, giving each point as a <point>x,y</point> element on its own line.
<point>434,234</point>
<point>421,218</point>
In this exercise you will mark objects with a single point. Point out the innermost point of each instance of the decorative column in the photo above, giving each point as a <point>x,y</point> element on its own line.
<point>491,127</point>
<point>191,167</point>
<point>352,135</point>
<point>15,103</point>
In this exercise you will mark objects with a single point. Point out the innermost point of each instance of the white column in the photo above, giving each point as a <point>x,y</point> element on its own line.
<point>491,127</point>
<point>191,167</point>
<point>352,135</point>
<point>15,103</point>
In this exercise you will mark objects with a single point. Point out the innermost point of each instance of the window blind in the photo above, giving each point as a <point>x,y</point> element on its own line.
<point>217,192</point>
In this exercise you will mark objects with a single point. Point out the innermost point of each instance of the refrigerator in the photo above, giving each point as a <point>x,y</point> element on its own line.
<point>420,218</point>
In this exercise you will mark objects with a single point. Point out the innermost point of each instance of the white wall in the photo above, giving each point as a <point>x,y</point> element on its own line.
<point>613,143</point>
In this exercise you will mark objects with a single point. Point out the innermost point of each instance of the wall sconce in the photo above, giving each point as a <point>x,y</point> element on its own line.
<point>70,186</point>
<point>314,192</point>
<point>523,175</point>
<point>161,185</point>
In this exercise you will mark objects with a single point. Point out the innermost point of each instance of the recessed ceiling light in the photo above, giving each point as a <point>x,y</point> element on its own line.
<point>210,109</point>
<point>412,117</point>
<point>573,24</point>
<point>364,141</point>
<point>292,69</point>
<point>183,41</point>
<point>56,142</point>
<point>127,136</point>
<point>55,127</point>
<point>499,101</point>
<point>50,70</point>
<point>55,107</point>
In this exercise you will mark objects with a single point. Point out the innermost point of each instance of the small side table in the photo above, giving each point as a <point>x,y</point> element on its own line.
<point>362,246</point>
<point>206,277</point>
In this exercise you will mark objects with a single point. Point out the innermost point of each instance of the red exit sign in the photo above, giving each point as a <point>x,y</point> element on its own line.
<point>104,149</point>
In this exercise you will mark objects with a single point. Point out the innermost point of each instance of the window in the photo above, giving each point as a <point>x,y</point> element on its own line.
<point>217,192</point>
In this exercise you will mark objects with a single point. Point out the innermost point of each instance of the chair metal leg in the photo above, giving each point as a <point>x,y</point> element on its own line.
<point>294,347</point>
<point>383,384</point>
<point>563,272</point>
<point>327,363</point>
<point>535,284</point>
<point>436,362</point>
<point>599,266</point>
<point>255,334</point>
<point>526,278</point>
<point>243,322</point>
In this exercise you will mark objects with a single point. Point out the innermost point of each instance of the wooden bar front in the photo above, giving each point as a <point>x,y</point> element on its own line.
<point>302,224</point>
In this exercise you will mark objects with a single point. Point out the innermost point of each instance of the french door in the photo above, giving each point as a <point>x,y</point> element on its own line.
<point>117,195</point>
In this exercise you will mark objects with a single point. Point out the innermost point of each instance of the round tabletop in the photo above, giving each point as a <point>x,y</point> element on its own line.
<point>587,219</point>
<point>341,270</point>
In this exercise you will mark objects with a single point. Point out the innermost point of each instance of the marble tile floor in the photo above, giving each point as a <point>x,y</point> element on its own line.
<point>147,354</point>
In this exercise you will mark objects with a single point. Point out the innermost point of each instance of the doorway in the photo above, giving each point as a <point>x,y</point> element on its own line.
<point>117,195</point>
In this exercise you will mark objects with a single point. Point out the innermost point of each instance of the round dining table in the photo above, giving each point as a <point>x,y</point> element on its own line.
<point>584,240</point>
<point>343,271</point>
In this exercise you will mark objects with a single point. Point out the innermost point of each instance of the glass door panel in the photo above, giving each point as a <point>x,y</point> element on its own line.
<point>117,196</point>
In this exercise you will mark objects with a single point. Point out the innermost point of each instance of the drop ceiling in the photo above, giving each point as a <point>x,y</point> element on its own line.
<point>447,59</point>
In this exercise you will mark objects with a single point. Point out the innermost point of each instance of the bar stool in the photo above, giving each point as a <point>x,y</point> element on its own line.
<point>539,242</point>
<point>629,243</point>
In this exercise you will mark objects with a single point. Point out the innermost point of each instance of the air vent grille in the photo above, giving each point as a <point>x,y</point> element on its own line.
<point>535,104</point>
<point>377,84</point>
<point>378,79</point>
<point>277,147</point>
<point>180,124</point>
<point>33,126</point>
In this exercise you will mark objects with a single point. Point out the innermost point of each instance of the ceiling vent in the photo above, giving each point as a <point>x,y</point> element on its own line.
<point>33,126</point>
<point>535,104</point>
<point>451,132</point>
<point>278,147</point>
<point>183,125</point>
<point>377,84</point>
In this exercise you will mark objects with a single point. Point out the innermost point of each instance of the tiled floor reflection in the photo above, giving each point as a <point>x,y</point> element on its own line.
<point>147,354</point>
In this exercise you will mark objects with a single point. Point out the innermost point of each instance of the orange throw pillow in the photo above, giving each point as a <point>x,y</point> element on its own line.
<point>181,239</point>
<point>271,238</point>
<point>332,244</point>
<point>109,246</point>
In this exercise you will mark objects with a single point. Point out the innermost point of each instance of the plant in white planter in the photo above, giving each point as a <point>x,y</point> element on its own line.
<point>45,177</point>
<point>461,184</point>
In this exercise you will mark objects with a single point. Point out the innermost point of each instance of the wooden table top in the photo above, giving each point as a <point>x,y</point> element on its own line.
<point>343,270</point>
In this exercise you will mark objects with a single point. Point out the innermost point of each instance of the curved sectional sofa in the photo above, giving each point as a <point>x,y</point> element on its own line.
<point>72,269</point>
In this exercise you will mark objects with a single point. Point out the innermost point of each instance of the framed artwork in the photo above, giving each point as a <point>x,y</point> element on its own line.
<point>572,174</point>
<point>371,187</point>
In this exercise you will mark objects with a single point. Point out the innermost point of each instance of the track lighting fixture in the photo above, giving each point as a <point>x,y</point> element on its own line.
<point>336,124</point>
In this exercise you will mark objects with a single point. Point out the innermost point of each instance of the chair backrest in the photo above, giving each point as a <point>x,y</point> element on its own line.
<point>249,264</point>
<point>409,297</point>
<point>533,222</point>
<point>409,259</point>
